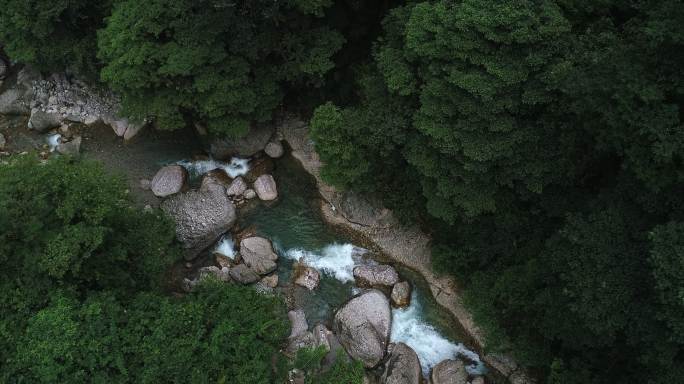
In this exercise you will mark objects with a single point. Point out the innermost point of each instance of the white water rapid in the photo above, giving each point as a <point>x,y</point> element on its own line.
<point>236,167</point>
<point>226,247</point>
<point>53,141</point>
<point>431,347</point>
<point>335,260</point>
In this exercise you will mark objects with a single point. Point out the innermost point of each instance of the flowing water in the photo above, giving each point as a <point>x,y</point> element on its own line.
<point>298,232</point>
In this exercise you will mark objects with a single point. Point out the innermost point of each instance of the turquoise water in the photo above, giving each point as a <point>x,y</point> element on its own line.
<point>295,226</point>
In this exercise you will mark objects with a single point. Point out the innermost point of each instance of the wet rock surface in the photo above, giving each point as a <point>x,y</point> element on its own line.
<point>402,366</point>
<point>169,180</point>
<point>363,327</point>
<point>265,188</point>
<point>243,274</point>
<point>375,275</point>
<point>258,254</point>
<point>201,217</point>
<point>449,372</point>
<point>401,294</point>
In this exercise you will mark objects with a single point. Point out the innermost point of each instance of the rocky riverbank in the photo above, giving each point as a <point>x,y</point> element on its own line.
<point>406,245</point>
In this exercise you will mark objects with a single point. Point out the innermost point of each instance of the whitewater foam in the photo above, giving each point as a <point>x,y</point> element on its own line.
<point>430,346</point>
<point>236,167</point>
<point>53,141</point>
<point>335,260</point>
<point>226,247</point>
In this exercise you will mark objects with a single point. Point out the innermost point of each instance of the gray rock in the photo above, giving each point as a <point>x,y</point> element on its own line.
<point>402,367</point>
<point>265,187</point>
<point>201,217</point>
<point>298,323</point>
<point>237,187</point>
<point>363,326</point>
<point>478,380</point>
<point>449,372</point>
<point>274,149</point>
<point>43,121</point>
<point>247,146</point>
<point>322,335</point>
<point>401,294</point>
<point>71,148</point>
<point>222,274</point>
<point>169,180</point>
<point>132,130</point>
<point>243,274</point>
<point>250,194</point>
<point>270,281</point>
<point>258,254</point>
<point>304,340</point>
<point>11,103</point>
<point>375,275</point>
<point>307,277</point>
<point>3,142</point>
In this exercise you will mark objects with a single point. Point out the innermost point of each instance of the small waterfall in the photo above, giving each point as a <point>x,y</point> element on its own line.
<point>236,167</point>
<point>335,260</point>
<point>430,346</point>
<point>226,247</point>
<point>53,141</point>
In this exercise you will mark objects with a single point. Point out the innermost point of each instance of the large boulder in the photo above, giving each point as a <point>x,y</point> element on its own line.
<point>237,187</point>
<point>42,121</point>
<point>298,323</point>
<point>258,254</point>
<point>307,277</point>
<point>247,146</point>
<point>402,367</point>
<point>449,372</point>
<point>243,274</point>
<point>401,294</point>
<point>169,180</point>
<point>71,148</point>
<point>265,187</point>
<point>274,149</point>
<point>201,217</point>
<point>363,326</point>
<point>375,275</point>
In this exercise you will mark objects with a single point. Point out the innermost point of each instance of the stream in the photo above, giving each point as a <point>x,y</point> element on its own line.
<point>293,223</point>
<point>298,232</point>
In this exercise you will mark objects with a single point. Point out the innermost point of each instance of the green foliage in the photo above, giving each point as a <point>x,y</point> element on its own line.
<point>221,62</point>
<point>342,371</point>
<point>80,299</point>
<point>53,34</point>
<point>539,142</point>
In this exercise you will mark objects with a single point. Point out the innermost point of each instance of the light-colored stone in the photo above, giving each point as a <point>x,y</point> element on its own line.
<point>169,180</point>
<point>265,188</point>
<point>274,149</point>
<point>375,275</point>
<point>258,254</point>
<point>322,335</point>
<point>243,274</point>
<point>449,372</point>
<point>71,148</point>
<point>270,281</point>
<point>363,326</point>
<point>478,380</point>
<point>43,121</point>
<point>201,217</point>
<point>298,323</point>
<point>307,277</point>
<point>132,130</point>
<point>237,187</point>
<point>402,366</point>
<point>222,274</point>
<point>401,294</point>
<point>12,103</point>
<point>250,194</point>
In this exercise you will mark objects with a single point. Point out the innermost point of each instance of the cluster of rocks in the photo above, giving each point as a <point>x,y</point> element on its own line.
<point>254,263</point>
<point>173,179</point>
<point>58,99</point>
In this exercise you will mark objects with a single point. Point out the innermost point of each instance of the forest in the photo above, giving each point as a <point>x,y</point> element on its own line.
<point>539,142</point>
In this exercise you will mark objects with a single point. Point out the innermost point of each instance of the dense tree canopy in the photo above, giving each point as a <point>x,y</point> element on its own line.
<point>81,296</point>
<point>53,34</point>
<point>221,62</point>
<point>540,142</point>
